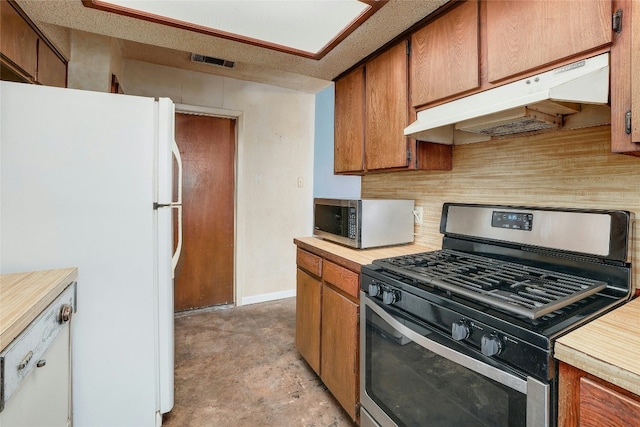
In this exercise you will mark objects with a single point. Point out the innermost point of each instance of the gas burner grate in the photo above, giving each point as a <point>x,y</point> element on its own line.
<point>519,289</point>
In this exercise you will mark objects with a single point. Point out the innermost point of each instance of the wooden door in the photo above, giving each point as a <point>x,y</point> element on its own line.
<point>204,274</point>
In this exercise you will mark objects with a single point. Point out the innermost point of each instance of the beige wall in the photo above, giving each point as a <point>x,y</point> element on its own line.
<point>564,169</point>
<point>274,148</point>
<point>90,64</point>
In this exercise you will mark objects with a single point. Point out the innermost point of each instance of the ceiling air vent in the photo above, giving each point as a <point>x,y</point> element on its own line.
<point>211,60</point>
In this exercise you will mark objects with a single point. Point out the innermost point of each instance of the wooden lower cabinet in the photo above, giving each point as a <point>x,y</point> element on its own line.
<point>339,348</point>
<point>327,334</point>
<point>308,297</point>
<point>588,401</point>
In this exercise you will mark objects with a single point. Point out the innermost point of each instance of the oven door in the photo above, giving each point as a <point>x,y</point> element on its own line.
<point>413,376</point>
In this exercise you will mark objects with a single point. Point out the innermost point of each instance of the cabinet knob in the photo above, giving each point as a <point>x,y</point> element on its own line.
<point>66,311</point>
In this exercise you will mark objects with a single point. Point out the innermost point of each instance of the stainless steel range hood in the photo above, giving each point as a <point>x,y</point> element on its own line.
<point>535,103</point>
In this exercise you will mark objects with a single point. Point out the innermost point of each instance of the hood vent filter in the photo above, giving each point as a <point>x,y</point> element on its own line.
<point>213,61</point>
<point>515,121</point>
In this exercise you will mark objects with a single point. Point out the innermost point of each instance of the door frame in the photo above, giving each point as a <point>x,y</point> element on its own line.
<point>238,116</point>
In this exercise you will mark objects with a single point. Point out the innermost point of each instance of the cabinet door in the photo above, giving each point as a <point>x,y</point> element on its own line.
<point>524,35</point>
<point>625,81</point>
<point>349,123</point>
<point>18,42</point>
<point>445,56</point>
<point>44,397</point>
<point>308,298</point>
<point>601,406</point>
<point>339,359</point>
<point>588,401</point>
<point>52,71</point>
<point>387,109</point>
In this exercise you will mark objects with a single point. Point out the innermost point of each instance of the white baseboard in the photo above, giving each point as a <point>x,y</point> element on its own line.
<point>268,297</point>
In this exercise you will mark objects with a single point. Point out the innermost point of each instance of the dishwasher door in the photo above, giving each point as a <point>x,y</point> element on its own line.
<point>36,370</point>
<point>44,397</point>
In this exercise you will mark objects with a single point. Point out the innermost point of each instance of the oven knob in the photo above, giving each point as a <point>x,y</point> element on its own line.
<point>490,345</point>
<point>460,330</point>
<point>374,289</point>
<point>390,296</point>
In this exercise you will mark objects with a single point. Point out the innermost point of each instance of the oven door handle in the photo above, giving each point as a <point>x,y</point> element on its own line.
<point>475,365</point>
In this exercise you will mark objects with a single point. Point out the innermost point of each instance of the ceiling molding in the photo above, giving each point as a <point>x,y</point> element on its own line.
<point>165,45</point>
<point>373,7</point>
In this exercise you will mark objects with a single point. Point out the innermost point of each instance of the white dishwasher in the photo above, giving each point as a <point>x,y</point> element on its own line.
<point>36,369</point>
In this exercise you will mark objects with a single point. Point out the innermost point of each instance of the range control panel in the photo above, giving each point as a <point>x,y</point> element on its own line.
<point>512,220</point>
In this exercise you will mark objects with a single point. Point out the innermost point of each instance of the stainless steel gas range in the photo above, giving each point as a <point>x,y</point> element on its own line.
<point>464,336</point>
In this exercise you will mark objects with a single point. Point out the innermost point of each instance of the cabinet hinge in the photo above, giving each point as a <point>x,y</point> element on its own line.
<point>408,156</point>
<point>627,122</point>
<point>617,21</point>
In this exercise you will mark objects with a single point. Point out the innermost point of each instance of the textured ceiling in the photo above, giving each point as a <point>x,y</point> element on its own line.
<point>164,45</point>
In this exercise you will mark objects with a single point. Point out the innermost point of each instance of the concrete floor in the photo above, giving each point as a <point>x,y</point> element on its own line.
<point>239,367</point>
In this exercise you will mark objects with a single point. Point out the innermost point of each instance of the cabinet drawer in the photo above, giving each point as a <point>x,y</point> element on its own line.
<point>342,278</point>
<point>309,262</point>
<point>601,406</point>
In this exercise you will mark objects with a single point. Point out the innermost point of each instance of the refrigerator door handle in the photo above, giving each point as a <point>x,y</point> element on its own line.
<point>176,153</point>
<point>178,206</point>
<point>176,256</point>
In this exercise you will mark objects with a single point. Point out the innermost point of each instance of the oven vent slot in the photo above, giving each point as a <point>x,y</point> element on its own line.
<point>212,61</point>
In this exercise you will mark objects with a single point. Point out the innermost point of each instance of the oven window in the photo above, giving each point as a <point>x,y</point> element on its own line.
<point>416,387</point>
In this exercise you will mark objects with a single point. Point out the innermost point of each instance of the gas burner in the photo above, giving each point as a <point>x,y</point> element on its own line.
<point>516,288</point>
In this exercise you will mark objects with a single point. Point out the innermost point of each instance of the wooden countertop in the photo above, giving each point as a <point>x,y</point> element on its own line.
<point>355,258</point>
<point>608,347</point>
<point>23,296</point>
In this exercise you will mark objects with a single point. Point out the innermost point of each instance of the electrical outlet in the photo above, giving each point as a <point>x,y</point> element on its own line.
<point>417,215</point>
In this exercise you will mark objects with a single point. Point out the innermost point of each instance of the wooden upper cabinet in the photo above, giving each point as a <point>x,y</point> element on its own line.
<point>349,123</point>
<point>445,55</point>
<point>525,35</point>
<point>18,41</point>
<point>26,56</point>
<point>387,109</point>
<point>635,74</point>
<point>625,81</point>
<point>52,71</point>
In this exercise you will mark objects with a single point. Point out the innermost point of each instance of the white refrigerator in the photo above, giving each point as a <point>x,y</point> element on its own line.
<point>86,181</point>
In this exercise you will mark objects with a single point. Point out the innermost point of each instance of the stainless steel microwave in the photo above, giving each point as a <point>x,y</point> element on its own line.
<point>364,223</point>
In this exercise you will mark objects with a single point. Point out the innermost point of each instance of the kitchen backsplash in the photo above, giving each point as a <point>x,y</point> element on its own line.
<point>561,169</point>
